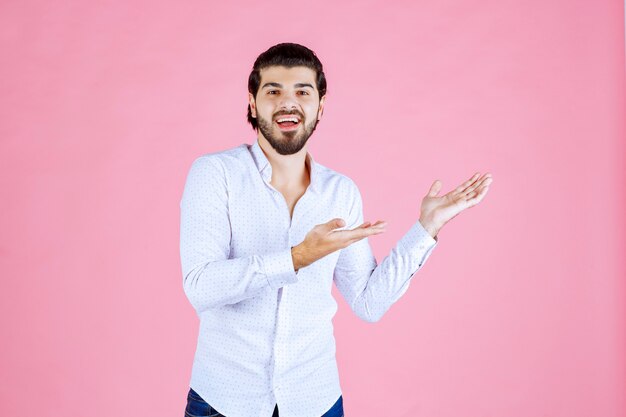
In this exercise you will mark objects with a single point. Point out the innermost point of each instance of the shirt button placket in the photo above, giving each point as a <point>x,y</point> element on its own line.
<point>281,333</point>
<point>279,362</point>
<point>280,341</point>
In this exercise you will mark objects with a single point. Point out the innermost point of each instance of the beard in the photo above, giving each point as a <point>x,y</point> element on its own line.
<point>286,143</point>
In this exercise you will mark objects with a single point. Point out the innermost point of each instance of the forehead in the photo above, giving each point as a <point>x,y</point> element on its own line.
<point>287,76</point>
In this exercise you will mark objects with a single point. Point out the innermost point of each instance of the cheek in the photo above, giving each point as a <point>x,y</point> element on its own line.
<point>312,113</point>
<point>264,112</point>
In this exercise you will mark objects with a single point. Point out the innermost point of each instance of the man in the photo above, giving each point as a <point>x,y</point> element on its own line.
<point>265,231</point>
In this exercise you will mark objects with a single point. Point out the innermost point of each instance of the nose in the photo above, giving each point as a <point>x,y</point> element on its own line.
<point>288,102</point>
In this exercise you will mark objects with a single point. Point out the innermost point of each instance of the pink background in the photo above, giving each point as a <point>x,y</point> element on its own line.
<point>520,311</point>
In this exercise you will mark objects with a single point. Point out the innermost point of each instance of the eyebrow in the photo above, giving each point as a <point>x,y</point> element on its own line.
<point>297,85</point>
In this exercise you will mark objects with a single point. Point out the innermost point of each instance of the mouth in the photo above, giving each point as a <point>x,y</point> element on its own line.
<point>288,123</point>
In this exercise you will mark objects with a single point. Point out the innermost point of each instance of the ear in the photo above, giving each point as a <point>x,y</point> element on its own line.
<point>252,105</point>
<point>321,109</point>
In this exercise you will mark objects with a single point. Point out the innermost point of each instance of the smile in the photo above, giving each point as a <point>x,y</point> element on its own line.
<point>287,123</point>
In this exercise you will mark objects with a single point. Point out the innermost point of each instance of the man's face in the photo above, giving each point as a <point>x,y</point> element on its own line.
<point>284,93</point>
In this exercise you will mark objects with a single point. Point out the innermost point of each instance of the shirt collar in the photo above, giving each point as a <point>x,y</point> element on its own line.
<point>265,168</point>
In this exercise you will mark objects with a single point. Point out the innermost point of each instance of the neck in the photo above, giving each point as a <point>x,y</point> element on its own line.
<point>288,171</point>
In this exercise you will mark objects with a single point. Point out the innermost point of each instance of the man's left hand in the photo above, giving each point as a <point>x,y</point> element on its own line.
<point>437,210</point>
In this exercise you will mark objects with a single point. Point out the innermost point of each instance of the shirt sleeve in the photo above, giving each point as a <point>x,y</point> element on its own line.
<point>210,278</point>
<point>370,289</point>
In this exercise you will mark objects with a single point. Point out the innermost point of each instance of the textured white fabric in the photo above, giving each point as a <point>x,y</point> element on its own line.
<point>266,334</point>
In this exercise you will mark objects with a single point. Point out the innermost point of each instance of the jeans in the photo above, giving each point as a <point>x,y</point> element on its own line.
<point>197,407</point>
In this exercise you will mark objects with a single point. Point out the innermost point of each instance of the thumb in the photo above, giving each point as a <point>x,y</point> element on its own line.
<point>335,223</point>
<point>435,188</point>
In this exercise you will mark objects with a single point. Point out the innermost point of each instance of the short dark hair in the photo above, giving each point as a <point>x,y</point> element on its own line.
<point>287,55</point>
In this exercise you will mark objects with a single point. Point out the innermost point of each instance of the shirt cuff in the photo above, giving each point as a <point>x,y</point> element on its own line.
<point>418,243</point>
<point>278,268</point>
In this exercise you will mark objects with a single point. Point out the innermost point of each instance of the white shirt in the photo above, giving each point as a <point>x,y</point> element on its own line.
<point>266,333</point>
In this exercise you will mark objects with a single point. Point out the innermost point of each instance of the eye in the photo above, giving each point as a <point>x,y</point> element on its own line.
<point>306,93</point>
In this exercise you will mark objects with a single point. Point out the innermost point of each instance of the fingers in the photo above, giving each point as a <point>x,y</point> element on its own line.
<point>472,187</point>
<point>379,223</point>
<point>464,189</point>
<point>369,228</point>
<point>485,180</point>
<point>364,230</point>
<point>476,196</point>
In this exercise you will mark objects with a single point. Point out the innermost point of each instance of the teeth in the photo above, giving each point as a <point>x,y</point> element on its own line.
<point>285,119</point>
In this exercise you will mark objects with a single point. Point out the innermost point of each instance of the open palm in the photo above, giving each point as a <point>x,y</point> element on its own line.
<point>438,210</point>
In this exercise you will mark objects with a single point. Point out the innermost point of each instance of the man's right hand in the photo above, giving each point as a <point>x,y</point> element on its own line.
<point>323,239</point>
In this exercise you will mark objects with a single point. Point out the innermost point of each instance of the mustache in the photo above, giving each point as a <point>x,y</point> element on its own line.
<point>300,116</point>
